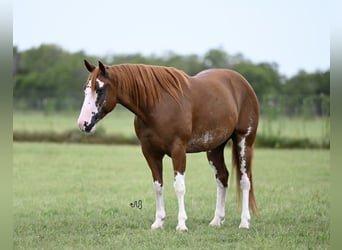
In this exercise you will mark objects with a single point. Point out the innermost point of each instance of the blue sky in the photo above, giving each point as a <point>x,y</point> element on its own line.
<point>294,34</point>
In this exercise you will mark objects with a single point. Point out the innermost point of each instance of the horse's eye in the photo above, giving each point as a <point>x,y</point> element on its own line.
<point>99,90</point>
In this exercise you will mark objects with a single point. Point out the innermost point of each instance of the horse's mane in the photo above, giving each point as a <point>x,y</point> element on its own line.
<point>145,83</point>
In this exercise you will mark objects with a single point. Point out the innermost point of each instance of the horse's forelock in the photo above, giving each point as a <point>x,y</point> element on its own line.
<point>92,77</point>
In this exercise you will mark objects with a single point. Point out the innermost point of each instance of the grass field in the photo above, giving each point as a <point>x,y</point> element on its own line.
<point>120,121</point>
<point>68,196</point>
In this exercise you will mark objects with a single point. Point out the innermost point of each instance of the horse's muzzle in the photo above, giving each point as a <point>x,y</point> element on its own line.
<point>86,126</point>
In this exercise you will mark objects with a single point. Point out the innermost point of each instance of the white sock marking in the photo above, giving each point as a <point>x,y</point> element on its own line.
<point>244,182</point>
<point>220,204</point>
<point>179,186</point>
<point>220,200</point>
<point>160,209</point>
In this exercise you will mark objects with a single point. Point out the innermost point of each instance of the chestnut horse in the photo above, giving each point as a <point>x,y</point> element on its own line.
<point>178,114</point>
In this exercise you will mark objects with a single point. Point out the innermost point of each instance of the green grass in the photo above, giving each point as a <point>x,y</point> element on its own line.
<point>68,196</point>
<point>119,121</point>
<point>314,129</point>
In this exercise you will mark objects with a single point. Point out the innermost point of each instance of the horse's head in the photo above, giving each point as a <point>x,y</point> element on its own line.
<point>99,97</point>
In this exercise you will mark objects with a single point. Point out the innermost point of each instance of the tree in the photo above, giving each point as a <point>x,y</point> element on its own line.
<point>263,77</point>
<point>50,76</point>
<point>216,58</point>
<point>308,90</point>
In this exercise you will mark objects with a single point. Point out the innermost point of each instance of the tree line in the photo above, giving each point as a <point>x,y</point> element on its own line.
<point>50,78</point>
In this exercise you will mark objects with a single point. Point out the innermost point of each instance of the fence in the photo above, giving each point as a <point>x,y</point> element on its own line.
<point>291,122</point>
<point>270,106</point>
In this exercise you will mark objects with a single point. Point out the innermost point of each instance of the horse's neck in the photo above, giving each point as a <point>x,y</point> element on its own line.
<point>127,101</point>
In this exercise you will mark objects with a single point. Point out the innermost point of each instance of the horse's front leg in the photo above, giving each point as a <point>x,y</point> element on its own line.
<point>155,162</point>
<point>178,155</point>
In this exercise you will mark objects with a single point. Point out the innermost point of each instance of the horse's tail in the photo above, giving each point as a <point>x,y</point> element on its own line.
<point>236,166</point>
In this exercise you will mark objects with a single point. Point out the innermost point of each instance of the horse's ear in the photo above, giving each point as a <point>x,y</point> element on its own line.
<point>89,66</point>
<point>102,68</point>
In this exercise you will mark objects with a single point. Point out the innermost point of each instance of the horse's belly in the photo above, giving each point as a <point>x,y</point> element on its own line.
<point>207,140</point>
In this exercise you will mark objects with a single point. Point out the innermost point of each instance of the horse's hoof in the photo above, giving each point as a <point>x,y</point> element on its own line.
<point>157,225</point>
<point>244,224</point>
<point>216,222</point>
<point>182,229</point>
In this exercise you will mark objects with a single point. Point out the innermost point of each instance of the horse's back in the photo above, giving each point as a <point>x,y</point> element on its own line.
<point>230,79</point>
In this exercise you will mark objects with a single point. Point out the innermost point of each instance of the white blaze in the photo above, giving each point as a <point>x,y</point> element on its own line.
<point>88,108</point>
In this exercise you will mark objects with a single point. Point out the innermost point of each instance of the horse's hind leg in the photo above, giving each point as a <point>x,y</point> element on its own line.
<point>216,161</point>
<point>242,156</point>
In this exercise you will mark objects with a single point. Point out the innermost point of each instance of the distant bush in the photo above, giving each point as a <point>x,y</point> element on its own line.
<point>73,136</point>
<point>100,137</point>
<point>48,79</point>
<point>286,142</point>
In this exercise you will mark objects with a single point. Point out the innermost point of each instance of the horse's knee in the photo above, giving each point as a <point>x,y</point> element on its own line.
<point>221,174</point>
<point>179,184</point>
<point>224,180</point>
<point>158,188</point>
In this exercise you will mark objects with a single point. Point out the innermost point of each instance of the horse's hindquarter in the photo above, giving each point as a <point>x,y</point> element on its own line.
<point>217,101</point>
